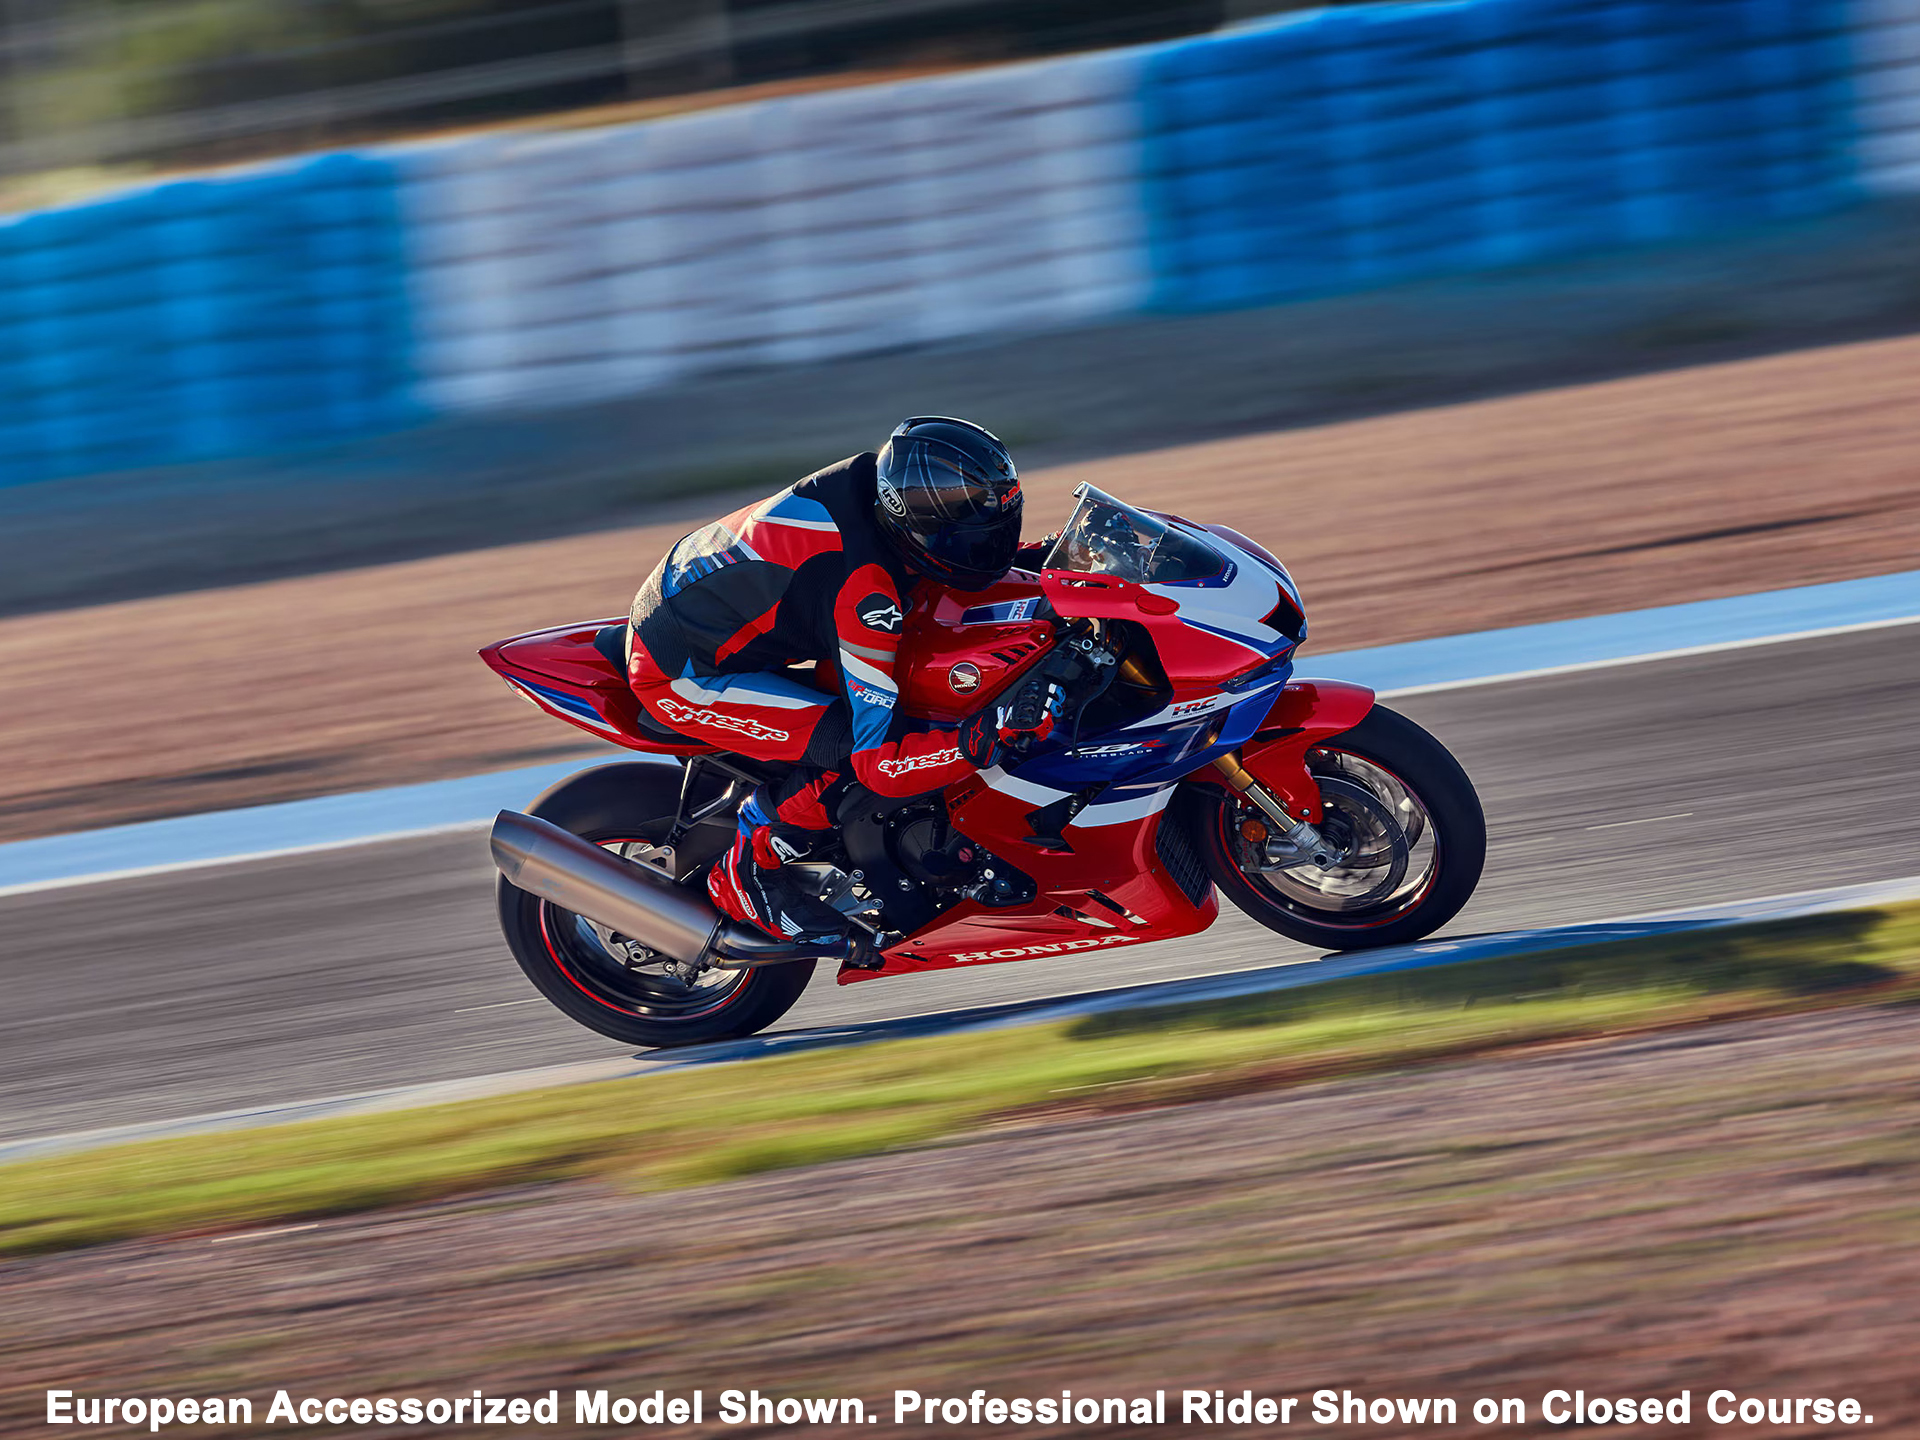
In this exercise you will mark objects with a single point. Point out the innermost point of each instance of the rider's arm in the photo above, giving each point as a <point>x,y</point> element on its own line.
<point>869,618</point>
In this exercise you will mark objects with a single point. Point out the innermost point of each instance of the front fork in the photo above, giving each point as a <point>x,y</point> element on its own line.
<point>1301,836</point>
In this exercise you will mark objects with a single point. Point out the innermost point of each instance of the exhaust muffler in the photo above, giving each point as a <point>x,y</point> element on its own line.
<point>578,875</point>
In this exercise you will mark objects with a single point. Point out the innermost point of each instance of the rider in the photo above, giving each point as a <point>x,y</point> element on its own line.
<point>822,572</point>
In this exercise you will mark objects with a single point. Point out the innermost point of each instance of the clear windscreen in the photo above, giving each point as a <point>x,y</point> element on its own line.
<point>1106,536</point>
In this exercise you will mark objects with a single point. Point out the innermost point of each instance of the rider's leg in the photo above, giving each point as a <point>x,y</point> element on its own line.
<point>783,821</point>
<point>780,823</point>
<point>763,716</point>
<point>768,717</point>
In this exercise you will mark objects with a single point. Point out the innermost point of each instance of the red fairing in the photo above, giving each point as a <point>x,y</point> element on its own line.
<point>1308,713</point>
<point>1120,861</point>
<point>561,672</point>
<point>988,655</point>
<point>1195,661</point>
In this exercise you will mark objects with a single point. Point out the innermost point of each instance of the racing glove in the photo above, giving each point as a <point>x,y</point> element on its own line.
<point>1019,724</point>
<point>980,737</point>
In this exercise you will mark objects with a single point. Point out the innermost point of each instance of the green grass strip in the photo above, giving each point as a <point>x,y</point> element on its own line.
<point>697,1126</point>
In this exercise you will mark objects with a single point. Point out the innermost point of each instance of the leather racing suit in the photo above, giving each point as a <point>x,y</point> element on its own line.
<point>804,575</point>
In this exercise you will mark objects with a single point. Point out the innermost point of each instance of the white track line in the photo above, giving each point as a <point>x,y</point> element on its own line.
<point>1716,647</point>
<point>214,862</point>
<point>1643,820</point>
<point>1249,981</point>
<point>63,882</point>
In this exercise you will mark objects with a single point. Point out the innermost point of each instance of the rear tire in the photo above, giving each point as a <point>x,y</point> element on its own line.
<point>631,805</point>
<point>1385,769</point>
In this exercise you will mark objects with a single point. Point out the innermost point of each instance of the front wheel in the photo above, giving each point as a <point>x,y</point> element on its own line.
<point>1399,808</point>
<point>601,978</point>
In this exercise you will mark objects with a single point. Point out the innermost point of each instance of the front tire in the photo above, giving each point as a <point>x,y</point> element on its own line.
<point>1400,802</point>
<point>598,978</point>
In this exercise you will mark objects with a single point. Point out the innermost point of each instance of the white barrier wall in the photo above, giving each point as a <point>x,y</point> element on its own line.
<point>1887,93</point>
<point>574,265</point>
<point>326,297</point>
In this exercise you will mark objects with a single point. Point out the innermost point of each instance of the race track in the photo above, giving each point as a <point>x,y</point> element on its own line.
<point>1674,782</point>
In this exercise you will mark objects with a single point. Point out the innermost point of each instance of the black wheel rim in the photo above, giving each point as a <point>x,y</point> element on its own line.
<point>1374,815</point>
<point>621,974</point>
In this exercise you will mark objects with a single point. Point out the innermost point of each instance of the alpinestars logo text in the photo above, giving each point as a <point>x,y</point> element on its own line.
<point>930,761</point>
<point>740,724</point>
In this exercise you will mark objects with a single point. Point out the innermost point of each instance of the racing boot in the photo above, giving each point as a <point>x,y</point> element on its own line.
<point>750,884</point>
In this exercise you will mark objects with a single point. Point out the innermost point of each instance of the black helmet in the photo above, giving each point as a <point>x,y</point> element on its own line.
<point>949,500</point>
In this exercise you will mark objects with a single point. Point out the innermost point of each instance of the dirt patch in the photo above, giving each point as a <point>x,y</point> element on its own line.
<point>1712,481</point>
<point>1730,1208</point>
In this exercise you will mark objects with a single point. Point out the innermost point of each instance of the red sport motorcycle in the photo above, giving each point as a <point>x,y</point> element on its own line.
<point>1186,761</point>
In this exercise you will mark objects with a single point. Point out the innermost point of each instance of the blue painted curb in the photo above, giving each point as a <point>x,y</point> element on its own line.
<point>296,825</point>
<point>1491,655</point>
<point>1633,634</point>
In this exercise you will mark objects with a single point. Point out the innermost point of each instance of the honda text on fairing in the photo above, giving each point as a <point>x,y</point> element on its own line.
<point>1186,761</point>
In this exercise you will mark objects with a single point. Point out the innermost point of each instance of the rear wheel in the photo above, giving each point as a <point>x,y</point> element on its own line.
<point>1406,819</point>
<point>604,980</point>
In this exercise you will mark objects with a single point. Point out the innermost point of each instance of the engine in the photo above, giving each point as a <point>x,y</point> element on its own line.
<point>949,864</point>
<point>930,850</point>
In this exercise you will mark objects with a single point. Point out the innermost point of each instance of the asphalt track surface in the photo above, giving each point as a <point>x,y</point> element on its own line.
<point>1669,783</point>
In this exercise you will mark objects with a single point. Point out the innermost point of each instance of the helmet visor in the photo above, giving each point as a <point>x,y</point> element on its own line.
<point>972,557</point>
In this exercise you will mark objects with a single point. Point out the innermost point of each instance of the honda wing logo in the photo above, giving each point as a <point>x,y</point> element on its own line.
<point>713,719</point>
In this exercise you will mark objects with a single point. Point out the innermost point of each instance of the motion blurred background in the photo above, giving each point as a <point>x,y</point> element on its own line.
<point>299,288</point>
<point>339,338</point>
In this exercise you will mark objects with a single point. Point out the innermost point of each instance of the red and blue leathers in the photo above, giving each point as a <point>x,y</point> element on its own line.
<point>805,575</point>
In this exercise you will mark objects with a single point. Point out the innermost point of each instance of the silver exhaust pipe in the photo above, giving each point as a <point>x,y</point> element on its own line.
<point>642,904</point>
<point>542,859</point>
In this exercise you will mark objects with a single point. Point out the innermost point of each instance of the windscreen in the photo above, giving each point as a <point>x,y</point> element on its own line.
<point>1106,536</point>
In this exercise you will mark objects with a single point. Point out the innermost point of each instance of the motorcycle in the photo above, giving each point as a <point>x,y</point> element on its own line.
<point>1185,761</point>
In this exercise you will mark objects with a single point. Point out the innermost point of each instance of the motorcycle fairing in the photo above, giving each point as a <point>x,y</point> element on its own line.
<point>564,672</point>
<point>1113,888</point>
<point>1114,845</point>
<point>1195,656</point>
<point>958,652</point>
<point>1307,714</point>
<point>1165,754</point>
<point>1119,871</point>
<point>558,670</point>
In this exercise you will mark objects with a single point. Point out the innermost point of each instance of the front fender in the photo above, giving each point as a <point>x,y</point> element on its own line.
<point>1308,713</point>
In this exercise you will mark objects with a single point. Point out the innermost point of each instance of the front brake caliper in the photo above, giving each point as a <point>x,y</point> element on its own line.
<point>1300,836</point>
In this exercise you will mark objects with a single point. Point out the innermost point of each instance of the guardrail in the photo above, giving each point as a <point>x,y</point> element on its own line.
<point>330,297</point>
<point>1885,54</point>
